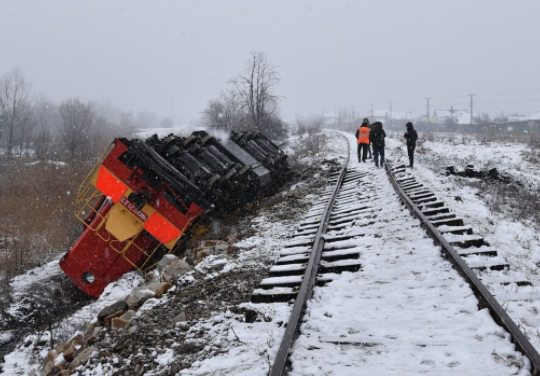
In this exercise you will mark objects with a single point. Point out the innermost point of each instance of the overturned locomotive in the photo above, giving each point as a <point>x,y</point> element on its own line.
<point>144,199</point>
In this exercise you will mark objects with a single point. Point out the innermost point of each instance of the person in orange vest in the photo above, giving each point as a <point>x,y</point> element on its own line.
<point>362,139</point>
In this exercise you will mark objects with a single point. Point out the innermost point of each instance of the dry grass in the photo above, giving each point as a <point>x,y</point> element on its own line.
<point>514,201</point>
<point>36,204</point>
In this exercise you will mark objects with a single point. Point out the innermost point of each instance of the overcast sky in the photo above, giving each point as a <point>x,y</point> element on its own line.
<point>330,54</point>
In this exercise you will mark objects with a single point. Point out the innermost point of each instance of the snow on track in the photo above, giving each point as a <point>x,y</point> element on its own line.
<point>406,312</point>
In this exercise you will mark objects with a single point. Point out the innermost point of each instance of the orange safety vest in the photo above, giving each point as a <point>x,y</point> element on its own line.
<point>363,135</point>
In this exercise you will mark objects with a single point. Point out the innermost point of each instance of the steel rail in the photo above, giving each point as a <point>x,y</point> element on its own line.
<point>280,366</point>
<point>484,296</point>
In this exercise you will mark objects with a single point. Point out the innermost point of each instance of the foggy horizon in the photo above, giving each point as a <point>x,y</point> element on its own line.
<point>173,57</point>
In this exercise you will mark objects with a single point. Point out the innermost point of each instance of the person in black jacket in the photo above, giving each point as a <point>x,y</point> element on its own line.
<point>376,139</point>
<point>411,136</point>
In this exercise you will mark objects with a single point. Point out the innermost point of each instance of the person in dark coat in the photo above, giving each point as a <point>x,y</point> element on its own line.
<point>376,139</point>
<point>369,156</point>
<point>411,136</point>
<point>362,139</point>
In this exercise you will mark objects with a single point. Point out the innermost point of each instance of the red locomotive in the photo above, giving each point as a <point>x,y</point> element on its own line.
<point>142,199</point>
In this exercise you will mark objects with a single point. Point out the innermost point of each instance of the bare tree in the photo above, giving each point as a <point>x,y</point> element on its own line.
<point>15,108</point>
<point>274,127</point>
<point>483,119</point>
<point>25,129</point>
<point>255,88</point>
<point>76,121</point>
<point>311,125</point>
<point>226,112</point>
<point>501,118</point>
<point>45,114</point>
<point>42,143</point>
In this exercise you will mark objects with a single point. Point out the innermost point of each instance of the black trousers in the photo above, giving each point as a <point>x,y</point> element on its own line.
<point>410,151</point>
<point>362,152</point>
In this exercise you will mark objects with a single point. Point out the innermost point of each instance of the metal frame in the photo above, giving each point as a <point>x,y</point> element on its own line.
<point>120,247</point>
<point>485,298</point>
<point>279,367</point>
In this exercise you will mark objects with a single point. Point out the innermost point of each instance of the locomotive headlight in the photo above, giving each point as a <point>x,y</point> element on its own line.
<point>88,277</point>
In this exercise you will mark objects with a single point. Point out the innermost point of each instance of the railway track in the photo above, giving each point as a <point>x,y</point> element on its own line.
<point>408,308</point>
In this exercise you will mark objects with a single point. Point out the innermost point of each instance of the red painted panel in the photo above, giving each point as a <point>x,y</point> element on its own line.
<point>109,185</point>
<point>161,229</point>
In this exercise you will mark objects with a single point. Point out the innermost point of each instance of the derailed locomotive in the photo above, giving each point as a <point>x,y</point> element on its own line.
<point>144,199</point>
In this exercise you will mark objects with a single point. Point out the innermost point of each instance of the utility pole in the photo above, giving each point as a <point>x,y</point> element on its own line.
<point>472,104</point>
<point>427,113</point>
<point>452,114</point>
<point>390,102</point>
<point>371,110</point>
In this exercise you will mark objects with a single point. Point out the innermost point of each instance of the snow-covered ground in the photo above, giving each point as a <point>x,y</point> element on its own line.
<point>405,312</point>
<point>271,230</point>
<point>511,157</point>
<point>516,239</point>
<point>22,359</point>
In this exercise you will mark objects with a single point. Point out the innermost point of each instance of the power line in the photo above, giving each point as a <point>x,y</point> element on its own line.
<point>408,100</point>
<point>510,92</point>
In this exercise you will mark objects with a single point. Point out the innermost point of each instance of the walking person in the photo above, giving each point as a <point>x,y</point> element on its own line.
<point>362,139</point>
<point>376,139</point>
<point>411,136</point>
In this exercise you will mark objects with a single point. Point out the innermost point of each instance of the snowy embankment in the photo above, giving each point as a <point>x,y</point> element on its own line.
<point>517,240</point>
<point>516,159</point>
<point>33,347</point>
<point>179,332</point>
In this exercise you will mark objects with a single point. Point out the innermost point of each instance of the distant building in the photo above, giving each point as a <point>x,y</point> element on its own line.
<point>530,122</point>
<point>457,116</point>
<point>534,117</point>
<point>515,118</point>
